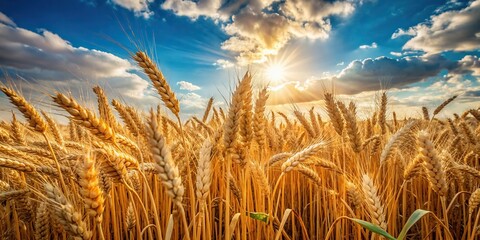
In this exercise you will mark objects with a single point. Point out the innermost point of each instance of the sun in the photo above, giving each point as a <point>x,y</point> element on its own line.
<point>275,72</point>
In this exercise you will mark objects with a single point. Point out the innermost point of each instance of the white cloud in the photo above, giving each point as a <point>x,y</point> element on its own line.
<point>192,101</point>
<point>340,63</point>
<point>454,30</point>
<point>396,54</point>
<point>469,64</point>
<point>46,59</point>
<point>6,20</point>
<point>255,30</point>
<point>451,4</point>
<point>400,32</point>
<point>256,35</point>
<point>316,11</point>
<point>139,7</point>
<point>373,45</point>
<point>193,9</point>
<point>188,86</point>
<point>222,64</point>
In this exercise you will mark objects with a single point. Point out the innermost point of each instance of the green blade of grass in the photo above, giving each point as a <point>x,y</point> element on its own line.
<point>372,227</point>
<point>259,216</point>
<point>417,215</point>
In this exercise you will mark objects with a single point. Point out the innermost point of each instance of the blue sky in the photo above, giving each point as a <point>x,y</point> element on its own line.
<point>423,52</point>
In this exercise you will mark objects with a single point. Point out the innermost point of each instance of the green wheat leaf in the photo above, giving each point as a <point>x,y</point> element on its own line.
<point>374,228</point>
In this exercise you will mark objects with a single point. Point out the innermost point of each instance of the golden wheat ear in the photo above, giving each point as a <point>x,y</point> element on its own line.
<point>374,204</point>
<point>29,112</point>
<point>168,170</point>
<point>159,81</point>
<point>65,214</point>
<point>432,163</point>
<point>85,117</point>
<point>90,189</point>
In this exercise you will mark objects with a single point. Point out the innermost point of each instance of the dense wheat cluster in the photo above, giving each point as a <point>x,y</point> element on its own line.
<point>242,172</point>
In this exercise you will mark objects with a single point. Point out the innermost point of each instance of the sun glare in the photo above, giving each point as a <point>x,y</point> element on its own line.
<point>283,67</point>
<point>275,73</point>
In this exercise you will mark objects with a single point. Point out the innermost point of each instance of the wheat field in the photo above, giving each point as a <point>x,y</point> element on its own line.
<point>243,172</point>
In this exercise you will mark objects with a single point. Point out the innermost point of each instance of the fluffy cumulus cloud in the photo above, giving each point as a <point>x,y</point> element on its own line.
<point>453,30</point>
<point>222,63</point>
<point>375,74</point>
<point>259,28</point>
<point>139,7</point>
<point>188,86</point>
<point>45,59</point>
<point>193,9</point>
<point>373,45</point>
<point>192,102</point>
<point>6,20</point>
<point>396,54</point>
<point>468,65</point>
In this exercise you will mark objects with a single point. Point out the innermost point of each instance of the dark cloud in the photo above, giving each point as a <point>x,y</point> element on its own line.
<point>472,93</point>
<point>373,75</point>
<point>468,65</point>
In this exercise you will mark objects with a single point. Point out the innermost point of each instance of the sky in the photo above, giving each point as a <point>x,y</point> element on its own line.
<point>420,52</point>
